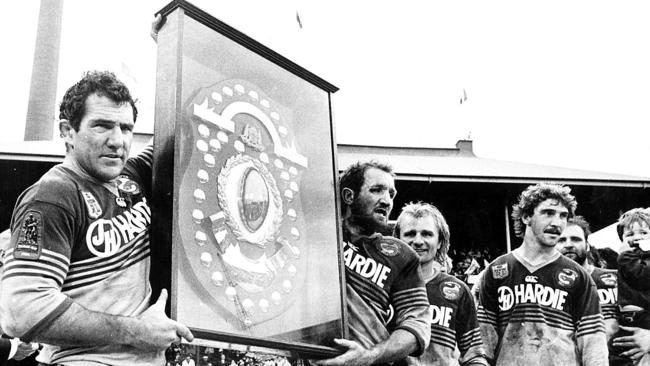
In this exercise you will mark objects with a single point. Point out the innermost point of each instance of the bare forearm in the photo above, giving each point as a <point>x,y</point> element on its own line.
<point>78,326</point>
<point>400,344</point>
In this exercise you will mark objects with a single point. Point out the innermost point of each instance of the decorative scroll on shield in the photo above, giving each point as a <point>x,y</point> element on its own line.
<point>239,205</point>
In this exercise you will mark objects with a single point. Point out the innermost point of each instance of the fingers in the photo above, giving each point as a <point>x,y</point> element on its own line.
<point>629,329</point>
<point>184,332</point>
<point>344,342</point>
<point>620,342</point>
<point>162,300</point>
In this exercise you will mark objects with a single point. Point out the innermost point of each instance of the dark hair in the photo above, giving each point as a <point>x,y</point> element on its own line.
<point>580,222</point>
<point>354,175</point>
<point>103,83</point>
<point>630,217</point>
<point>420,209</point>
<point>534,195</point>
<point>608,257</point>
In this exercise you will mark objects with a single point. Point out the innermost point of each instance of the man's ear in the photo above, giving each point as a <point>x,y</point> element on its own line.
<point>347,195</point>
<point>66,130</point>
<point>525,219</point>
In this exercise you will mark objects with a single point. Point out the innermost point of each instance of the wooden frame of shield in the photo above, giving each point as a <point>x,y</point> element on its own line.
<point>245,207</point>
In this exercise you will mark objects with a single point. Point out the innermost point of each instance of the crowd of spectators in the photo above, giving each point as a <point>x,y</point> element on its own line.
<point>180,355</point>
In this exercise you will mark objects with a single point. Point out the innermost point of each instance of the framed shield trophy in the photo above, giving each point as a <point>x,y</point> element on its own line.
<point>246,224</point>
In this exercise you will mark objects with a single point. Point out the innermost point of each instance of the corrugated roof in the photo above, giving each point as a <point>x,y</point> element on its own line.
<point>460,164</point>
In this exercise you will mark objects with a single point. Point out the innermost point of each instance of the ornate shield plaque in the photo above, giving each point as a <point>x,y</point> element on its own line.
<point>245,225</point>
<point>240,205</point>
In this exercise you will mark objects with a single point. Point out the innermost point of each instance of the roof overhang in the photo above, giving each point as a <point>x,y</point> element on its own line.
<point>439,165</point>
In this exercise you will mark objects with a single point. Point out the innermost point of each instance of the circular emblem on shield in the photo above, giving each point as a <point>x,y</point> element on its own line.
<point>239,208</point>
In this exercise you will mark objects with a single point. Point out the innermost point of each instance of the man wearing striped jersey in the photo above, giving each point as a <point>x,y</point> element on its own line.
<point>382,274</point>
<point>574,244</point>
<point>537,307</point>
<point>77,275</point>
<point>455,333</point>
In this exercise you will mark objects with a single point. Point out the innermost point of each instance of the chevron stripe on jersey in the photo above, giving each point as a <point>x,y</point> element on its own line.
<point>51,265</point>
<point>470,339</point>
<point>404,299</point>
<point>443,336</point>
<point>486,316</point>
<point>590,324</point>
<point>93,270</point>
<point>535,313</point>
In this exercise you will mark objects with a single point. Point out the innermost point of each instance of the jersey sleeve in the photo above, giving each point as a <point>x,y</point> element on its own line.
<point>589,324</point>
<point>35,267</point>
<point>409,298</point>
<point>487,312</point>
<point>140,167</point>
<point>468,332</point>
<point>634,267</point>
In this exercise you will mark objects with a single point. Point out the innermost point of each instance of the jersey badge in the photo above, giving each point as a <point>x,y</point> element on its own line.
<point>352,246</point>
<point>30,239</point>
<point>609,279</point>
<point>94,209</point>
<point>450,290</point>
<point>389,249</point>
<point>500,271</point>
<point>120,201</point>
<point>127,185</point>
<point>567,277</point>
<point>531,279</point>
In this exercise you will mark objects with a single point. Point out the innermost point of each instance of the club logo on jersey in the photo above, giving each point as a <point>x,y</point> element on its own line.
<point>30,238</point>
<point>105,237</point>
<point>389,249</point>
<point>531,294</point>
<point>567,277</point>
<point>531,279</point>
<point>94,209</point>
<point>450,290</point>
<point>500,271</point>
<point>609,279</point>
<point>366,267</point>
<point>127,185</point>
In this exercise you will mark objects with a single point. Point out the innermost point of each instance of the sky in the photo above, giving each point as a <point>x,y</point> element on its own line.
<point>562,83</point>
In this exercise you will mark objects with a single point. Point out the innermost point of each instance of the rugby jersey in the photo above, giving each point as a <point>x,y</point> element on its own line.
<point>74,240</point>
<point>383,273</point>
<point>455,333</point>
<point>540,315</point>
<point>606,285</point>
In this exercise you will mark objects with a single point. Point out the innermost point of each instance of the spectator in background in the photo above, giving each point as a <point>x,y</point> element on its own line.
<point>455,334</point>
<point>537,307</point>
<point>633,229</point>
<point>608,258</point>
<point>574,244</point>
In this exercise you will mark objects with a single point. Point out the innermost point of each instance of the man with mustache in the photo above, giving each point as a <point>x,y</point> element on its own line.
<point>537,307</point>
<point>382,275</point>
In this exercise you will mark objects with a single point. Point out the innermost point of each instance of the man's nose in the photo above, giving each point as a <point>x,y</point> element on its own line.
<point>116,137</point>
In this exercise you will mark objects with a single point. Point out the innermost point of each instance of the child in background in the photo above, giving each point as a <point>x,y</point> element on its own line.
<point>633,229</point>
